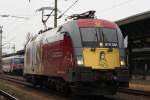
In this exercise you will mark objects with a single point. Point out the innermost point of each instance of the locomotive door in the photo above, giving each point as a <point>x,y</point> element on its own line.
<point>34,59</point>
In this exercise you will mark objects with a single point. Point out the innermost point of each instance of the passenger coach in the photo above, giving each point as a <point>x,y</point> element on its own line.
<point>13,65</point>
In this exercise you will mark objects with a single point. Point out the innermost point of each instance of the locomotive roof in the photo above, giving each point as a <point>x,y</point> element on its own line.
<point>89,23</point>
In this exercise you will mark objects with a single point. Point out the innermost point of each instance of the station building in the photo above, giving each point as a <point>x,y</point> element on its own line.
<point>137,29</point>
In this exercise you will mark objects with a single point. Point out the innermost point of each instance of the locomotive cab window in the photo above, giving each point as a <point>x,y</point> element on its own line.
<point>89,37</point>
<point>99,37</point>
<point>110,37</point>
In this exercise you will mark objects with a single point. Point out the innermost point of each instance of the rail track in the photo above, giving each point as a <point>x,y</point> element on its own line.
<point>23,82</point>
<point>15,80</point>
<point>6,96</point>
<point>120,90</point>
<point>134,92</point>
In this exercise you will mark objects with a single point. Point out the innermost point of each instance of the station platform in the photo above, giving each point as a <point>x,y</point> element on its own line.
<point>143,85</point>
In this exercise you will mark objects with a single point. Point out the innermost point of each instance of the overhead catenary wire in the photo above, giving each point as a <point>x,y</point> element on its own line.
<point>115,6</point>
<point>67,9</point>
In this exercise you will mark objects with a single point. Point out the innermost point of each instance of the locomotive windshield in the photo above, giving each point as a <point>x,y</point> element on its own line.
<point>109,35</point>
<point>89,37</point>
<point>92,37</point>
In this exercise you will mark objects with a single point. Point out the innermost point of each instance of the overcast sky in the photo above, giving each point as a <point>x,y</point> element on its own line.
<point>15,30</point>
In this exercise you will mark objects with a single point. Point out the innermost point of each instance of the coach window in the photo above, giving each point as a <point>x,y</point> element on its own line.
<point>21,60</point>
<point>17,61</point>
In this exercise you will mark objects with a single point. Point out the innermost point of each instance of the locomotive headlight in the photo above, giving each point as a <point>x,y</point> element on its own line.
<point>101,44</point>
<point>79,60</point>
<point>122,63</point>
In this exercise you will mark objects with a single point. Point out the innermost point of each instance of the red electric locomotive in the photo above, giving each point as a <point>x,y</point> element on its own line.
<point>84,56</point>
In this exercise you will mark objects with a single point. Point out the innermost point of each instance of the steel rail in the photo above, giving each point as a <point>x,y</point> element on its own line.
<point>7,95</point>
<point>134,92</point>
<point>23,82</point>
<point>15,80</point>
